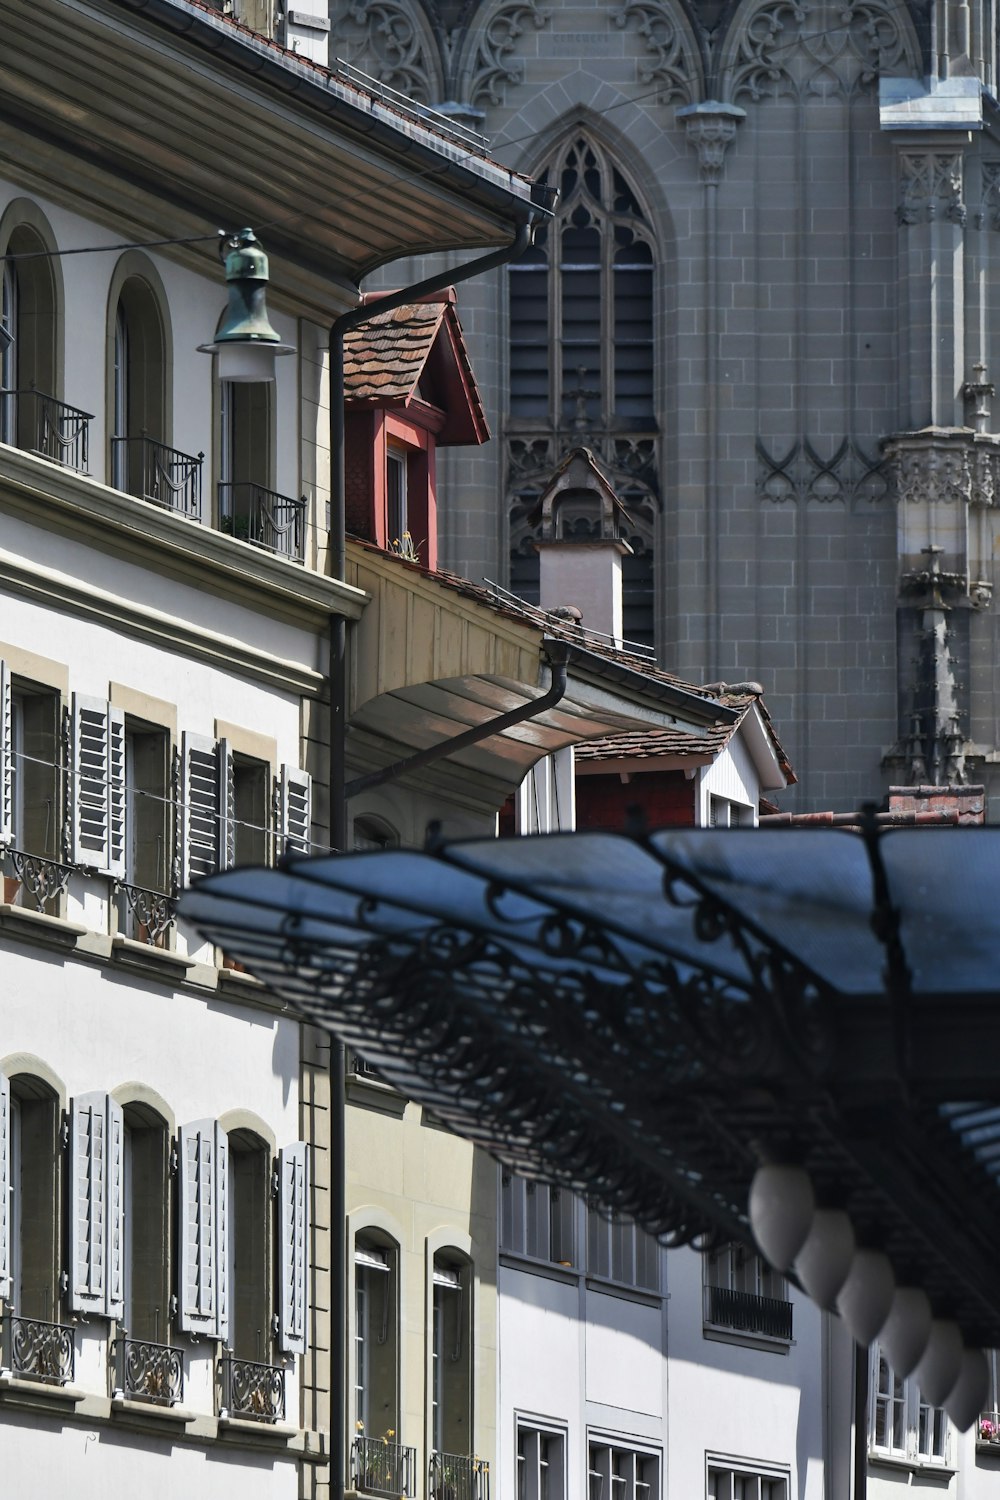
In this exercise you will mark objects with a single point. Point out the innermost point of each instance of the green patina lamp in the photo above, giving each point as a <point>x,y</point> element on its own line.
<point>245,342</point>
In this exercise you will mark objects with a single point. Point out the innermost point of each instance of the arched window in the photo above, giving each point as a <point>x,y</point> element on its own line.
<point>142,463</point>
<point>376,1339</point>
<point>145,1198</point>
<point>250,1275</point>
<point>582,361</point>
<point>32,1152</point>
<point>30,414</point>
<point>451,1359</point>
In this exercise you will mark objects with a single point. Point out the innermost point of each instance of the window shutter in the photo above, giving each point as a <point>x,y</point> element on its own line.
<point>227,806</point>
<point>115,1216</point>
<point>293,1193</point>
<point>95,1195</point>
<point>6,757</point>
<point>296,811</point>
<point>5,1185</point>
<point>204,1214</point>
<point>200,821</point>
<point>99,785</point>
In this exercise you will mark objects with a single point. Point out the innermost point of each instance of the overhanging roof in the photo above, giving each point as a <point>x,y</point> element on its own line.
<point>648,1019</point>
<point>172,100</point>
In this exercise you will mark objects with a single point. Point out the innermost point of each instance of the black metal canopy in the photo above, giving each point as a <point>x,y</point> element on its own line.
<point>647,1018</point>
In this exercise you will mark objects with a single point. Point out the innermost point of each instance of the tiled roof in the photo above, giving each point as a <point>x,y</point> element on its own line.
<point>384,358</point>
<point>654,744</point>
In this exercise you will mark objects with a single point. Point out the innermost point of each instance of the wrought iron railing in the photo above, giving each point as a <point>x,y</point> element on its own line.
<point>253,1391</point>
<point>988,1430</point>
<point>746,1312</point>
<point>31,877</point>
<point>148,1372</point>
<point>144,915</point>
<point>33,1349</point>
<point>144,467</point>
<point>262,516</point>
<point>41,424</point>
<point>380,1466</point>
<point>456,1476</point>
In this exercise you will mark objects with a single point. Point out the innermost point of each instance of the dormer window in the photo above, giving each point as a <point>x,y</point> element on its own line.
<point>396,526</point>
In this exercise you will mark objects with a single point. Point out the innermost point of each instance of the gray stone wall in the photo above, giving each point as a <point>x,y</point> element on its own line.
<point>826,279</point>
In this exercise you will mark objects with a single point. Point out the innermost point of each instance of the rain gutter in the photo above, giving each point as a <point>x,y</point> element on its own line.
<point>353,318</point>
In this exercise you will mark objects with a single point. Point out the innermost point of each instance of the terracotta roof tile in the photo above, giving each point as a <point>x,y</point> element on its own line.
<point>384,357</point>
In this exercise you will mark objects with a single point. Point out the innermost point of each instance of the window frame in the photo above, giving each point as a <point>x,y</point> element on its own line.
<point>602,1229</point>
<point>537,1219</point>
<point>531,1483</point>
<point>607,1454</point>
<point>911,1416</point>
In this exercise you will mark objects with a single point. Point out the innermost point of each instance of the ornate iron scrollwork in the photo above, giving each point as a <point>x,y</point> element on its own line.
<point>44,880</point>
<point>149,1372</point>
<point>253,1391</point>
<point>37,1350</point>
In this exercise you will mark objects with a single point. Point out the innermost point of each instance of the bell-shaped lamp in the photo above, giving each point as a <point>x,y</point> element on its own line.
<point>245,343</point>
<point>782,1204</point>
<point>824,1261</point>
<point>865,1299</point>
<point>964,1401</point>
<point>941,1361</point>
<point>903,1337</point>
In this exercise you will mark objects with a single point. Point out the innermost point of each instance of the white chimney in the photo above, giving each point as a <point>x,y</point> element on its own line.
<point>580,550</point>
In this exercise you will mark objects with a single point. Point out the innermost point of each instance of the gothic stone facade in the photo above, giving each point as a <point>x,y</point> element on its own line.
<point>767,303</point>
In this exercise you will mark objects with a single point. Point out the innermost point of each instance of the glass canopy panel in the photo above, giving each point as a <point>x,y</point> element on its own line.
<point>946,884</point>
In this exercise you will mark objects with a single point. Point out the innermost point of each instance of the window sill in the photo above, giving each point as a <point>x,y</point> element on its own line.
<point>149,1416</point>
<point>36,1395</point>
<point>925,1467</point>
<point>626,1293</point>
<point>763,1342</point>
<point>156,963</point>
<point>257,1434</point>
<point>548,1268</point>
<point>39,927</point>
<point>370,1094</point>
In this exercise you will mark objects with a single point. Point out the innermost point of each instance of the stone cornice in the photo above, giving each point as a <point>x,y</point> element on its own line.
<point>136,530</point>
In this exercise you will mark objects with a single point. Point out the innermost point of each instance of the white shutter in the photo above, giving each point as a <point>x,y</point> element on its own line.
<point>6,757</point>
<point>227,806</point>
<point>296,811</point>
<point>200,823</point>
<point>5,1186</point>
<point>114,1304</point>
<point>95,1175</point>
<point>98,791</point>
<point>293,1245</point>
<point>204,1229</point>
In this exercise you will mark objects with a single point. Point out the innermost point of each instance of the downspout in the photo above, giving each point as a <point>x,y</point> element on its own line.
<point>338,803</point>
<point>557,655</point>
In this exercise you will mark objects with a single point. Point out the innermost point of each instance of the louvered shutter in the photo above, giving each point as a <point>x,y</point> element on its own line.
<point>293,1245</point>
<point>203,1305</point>
<point>296,811</point>
<point>227,805</point>
<point>200,822</point>
<point>95,1195</point>
<point>6,757</point>
<point>98,785</point>
<point>5,1185</point>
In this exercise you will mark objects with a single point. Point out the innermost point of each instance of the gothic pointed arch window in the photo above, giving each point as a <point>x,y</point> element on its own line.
<point>581,359</point>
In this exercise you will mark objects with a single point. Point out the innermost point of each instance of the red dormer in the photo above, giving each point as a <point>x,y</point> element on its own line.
<point>409,390</point>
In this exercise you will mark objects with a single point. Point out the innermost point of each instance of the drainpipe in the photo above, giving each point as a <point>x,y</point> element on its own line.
<point>338,802</point>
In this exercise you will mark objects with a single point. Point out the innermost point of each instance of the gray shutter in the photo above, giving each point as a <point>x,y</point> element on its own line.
<point>293,1245</point>
<point>98,785</point>
<point>6,757</point>
<point>296,811</point>
<point>5,1185</point>
<point>89,1159</point>
<point>200,822</point>
<point>227,806</point>
<point>204,1229</point>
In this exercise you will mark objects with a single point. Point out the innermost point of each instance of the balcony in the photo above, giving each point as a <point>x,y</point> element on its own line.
<point>382,1467</point>
<point>745,1312</point>
<point>262,516</point>
<point>31,881</point>
<point>148,1372</point>
<point>252,1391</point>
<point>40,424</point>
<point>32,1349</point>
<point>144,915</point>
<point>456,1476</point>
<point>150,470</point>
